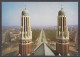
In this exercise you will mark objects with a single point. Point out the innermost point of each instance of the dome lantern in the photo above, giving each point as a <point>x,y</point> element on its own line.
<point>61,12</point>
<point>25,12</point>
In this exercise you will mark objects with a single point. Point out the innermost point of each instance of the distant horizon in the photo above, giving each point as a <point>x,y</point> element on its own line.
<point>46,26</point>
<point>41,13</point>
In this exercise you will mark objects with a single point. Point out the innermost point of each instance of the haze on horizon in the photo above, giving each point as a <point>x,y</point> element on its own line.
<point>41,13</point>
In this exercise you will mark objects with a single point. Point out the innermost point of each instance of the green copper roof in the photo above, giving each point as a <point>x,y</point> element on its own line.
<point>25,12</point>
<point>43,50</point>
<point>61,12</point>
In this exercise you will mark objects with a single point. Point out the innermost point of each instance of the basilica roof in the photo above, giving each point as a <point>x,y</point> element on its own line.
<point>43,50</point>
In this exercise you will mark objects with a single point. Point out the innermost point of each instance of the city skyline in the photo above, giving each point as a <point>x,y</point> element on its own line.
<point>42,13</point>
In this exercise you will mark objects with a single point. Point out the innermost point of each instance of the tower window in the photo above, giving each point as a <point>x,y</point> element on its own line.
<point>22,21</point>
<point>63,23</point>
<point>21,34</point>
<point>24,27</point>
<point>58,31</point>
<point>26,23</point>
<point>59,21</point>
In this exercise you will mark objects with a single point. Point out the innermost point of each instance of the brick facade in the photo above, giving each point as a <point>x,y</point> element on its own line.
<point>63,49</point>
<point>24,50</point>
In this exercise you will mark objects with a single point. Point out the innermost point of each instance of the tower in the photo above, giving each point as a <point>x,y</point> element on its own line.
<point>25,41</point>
<point>62,36</point>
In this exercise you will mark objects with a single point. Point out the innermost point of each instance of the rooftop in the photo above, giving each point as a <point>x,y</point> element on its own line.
<point>43,50</point>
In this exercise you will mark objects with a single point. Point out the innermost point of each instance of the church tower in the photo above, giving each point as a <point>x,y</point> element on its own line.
<point>62,36</point>
<point>25,41</point>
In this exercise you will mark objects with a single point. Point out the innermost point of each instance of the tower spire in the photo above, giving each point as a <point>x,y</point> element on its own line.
<point>61,6</point>
<point>25,8</point>
<point>25,5</point>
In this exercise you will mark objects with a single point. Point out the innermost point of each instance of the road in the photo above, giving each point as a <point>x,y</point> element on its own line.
<point>44,39</point>
<point>40,38</point>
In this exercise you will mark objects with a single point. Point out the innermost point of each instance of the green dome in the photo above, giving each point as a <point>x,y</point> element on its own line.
<point>61,12</point>
<point>25,12</point>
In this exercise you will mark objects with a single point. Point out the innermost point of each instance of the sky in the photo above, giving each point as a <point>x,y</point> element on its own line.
<point>41,13</point>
